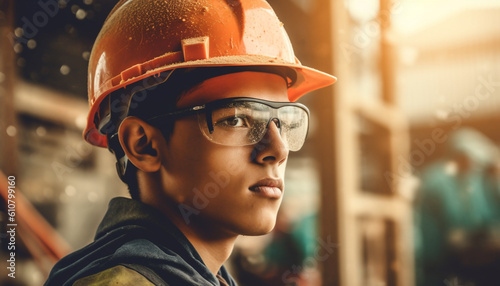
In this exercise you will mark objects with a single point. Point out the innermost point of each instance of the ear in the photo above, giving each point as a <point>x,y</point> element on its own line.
<point>141,143</point>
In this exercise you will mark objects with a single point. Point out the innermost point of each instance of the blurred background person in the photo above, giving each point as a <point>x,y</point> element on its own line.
<point>457,215</point>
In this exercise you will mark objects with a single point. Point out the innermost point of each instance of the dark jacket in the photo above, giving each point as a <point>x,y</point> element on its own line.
<point>136,242</point>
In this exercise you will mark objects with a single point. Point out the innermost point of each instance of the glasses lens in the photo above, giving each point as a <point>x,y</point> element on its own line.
<point>294,123</point>
<point>244,123</point>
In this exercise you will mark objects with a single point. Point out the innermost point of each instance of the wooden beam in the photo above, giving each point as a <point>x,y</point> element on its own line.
<point>51,105</point>
<point>387,54</point>
<point>323,106</point>
<point>8,125</point>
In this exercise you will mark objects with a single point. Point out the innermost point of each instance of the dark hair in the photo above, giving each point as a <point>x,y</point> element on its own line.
<point>152,102</point>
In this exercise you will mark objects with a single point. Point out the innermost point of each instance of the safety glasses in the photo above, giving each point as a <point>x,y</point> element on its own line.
<point>244,121</point>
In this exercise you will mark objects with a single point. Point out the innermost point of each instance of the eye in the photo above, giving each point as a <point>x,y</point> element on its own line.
<point>233,121</point>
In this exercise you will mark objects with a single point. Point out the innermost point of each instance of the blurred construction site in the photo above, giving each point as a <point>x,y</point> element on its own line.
<point>397,185</point>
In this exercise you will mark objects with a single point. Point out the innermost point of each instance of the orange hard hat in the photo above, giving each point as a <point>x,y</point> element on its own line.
<point>142,38</point>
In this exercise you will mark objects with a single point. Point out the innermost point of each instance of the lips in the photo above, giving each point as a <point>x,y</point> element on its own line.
<point>269,188</point>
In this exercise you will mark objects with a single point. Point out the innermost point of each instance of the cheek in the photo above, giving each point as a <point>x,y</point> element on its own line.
<point>223,169</point>
<point>197,162</point>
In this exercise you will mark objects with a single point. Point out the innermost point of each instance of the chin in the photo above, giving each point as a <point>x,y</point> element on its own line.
<point>263,232</point>
<point>256,232</point>
<point>261,227</point>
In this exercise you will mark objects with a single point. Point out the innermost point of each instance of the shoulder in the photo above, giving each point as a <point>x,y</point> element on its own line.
<point>106,263</point>
<point>118,275</point>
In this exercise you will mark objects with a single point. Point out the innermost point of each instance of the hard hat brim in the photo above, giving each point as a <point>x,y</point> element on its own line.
<point>308,79</point>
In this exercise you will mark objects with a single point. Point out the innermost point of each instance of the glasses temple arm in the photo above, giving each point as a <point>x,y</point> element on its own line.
<point>177,113</point>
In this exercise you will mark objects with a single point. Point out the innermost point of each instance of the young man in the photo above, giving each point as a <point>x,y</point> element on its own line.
<point>195,99</point>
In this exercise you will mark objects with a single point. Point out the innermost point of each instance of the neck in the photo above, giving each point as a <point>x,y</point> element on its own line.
<point>214,251</point>
<point>212,243</point>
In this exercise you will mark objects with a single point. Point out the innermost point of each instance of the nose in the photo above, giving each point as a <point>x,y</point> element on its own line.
<point>271,149</point>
